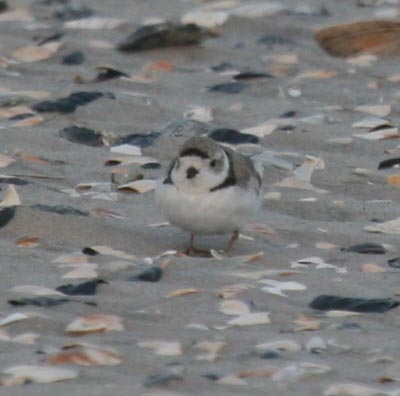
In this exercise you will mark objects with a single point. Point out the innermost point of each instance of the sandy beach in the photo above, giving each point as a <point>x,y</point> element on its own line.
<point>70,210</point>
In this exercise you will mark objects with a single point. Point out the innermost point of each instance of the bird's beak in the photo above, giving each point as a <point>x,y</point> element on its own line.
<point>191,172</point>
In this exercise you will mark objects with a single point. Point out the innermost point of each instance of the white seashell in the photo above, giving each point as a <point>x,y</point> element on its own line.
<point>234,307</point>
<point>251,319</point>
<point>315,345</point>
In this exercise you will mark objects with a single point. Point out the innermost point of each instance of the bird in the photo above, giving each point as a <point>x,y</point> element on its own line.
<point>209,189</point>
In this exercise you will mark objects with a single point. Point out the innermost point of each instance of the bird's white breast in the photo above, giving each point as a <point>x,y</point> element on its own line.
<point>218,212</point>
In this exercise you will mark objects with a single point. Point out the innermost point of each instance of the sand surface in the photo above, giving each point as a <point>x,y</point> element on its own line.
<point>334,212</point>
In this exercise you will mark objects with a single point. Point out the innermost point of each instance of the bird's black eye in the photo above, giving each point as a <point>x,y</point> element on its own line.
<point>213,163</point>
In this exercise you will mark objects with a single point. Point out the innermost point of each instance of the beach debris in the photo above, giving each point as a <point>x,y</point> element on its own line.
<point>94,23</point>
<point>362,305</point>
<point>366,248</point>
<point>84,355</point>
<point>163,35</point>
<point>170,374</point>
<point>70,11</point>
<point>315,345</point>
<point>380,110</point>
<point>374,123</point>
<point>251,75</point>
<point>10,199</point>
<point>306,323</point>
<point>138,139</point>
<point>68,104</point>
<point>73,58</point>
<point>34,290</point>
<point>81,289</point>
<point>295,372</point>
<point>379,37</point>
<point>42,301</point>
<point>183,292</point>
<point>394,262</point>
<point>278,347</point>
<point>86,271</point>
<point>301,178</point>
<point>60,209</point>
<point>389,163</point>
<point>230,291</point>
<point>388,227</point>
<point>38,53</point>
<point>109,251</point>
<point>152,274</point>
<point>17,317</point>
<point>211,350</point>
<point>5,160</point>
<point>370,267</point>
<point>94,323</point>
<point>278,287</point>
<point>234,307</point>
<point>127,149</point>
<point>250,319</point>
<point>393,180</point>
<point>82,135</point>
<point>138,186</point>
<point>230,87</point>
<point>26,374</point>
<point>232,136</point>
<point>379,134</point>
<point>199,113</point>
<point>163,348</point>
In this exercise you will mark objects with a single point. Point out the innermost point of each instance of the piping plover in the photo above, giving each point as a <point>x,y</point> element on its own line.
<point>209,189</point>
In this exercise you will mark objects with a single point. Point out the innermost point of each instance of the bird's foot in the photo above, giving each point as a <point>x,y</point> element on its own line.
<point>192,251</point>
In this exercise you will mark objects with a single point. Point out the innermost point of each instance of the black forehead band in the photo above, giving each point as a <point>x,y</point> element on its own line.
<point>193,151</point>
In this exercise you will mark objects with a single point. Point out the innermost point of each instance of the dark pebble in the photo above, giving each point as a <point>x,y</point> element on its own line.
<point>6,215</point>
<point>70,12</point>
<point>68,104</point>
<point>222,67</point>
<point>139,139</point>
<point>163,35</point>
<point>389,163</point>
<point>82,135</point>
<point>60,209</point>
<point>270,355</point>
<point>289,114</point>
<point>151,165</point>
<point>229,87</point>
<point>3,6</point>
<point>366,248</point>
<point>53,37</point>
<point>272,41</point>
<point>394,262</point>
<point>287,128</point>
<point>108,73</point>
<point>380,127</point>
<point>232,136</point>
<point>212,376</point>
<point>74,58</point>
<point>13,180</point>
<point>364,305</point>
<point>153,274</point>
<point>89,251</point>
<point>38,302</point>
<point>19,117</point>
<point>249,75</point>
<point>82,289</point>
